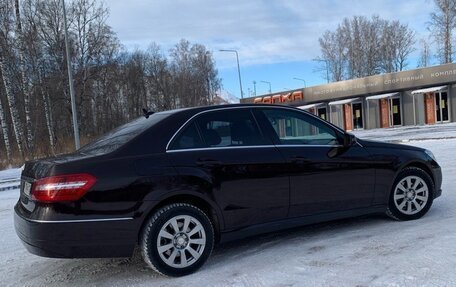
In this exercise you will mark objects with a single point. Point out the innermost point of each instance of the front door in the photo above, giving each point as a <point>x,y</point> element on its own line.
<point>441,107</point>
<point>357,109</point>
<point>396,118</point>
<point>223,154</point>
<point>324,176</point>
<point>321,112</point>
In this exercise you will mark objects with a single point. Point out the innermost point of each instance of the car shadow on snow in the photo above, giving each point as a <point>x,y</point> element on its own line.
<point>133,271</point>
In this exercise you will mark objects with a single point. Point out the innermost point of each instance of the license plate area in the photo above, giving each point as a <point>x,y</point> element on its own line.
<point>27,188</point>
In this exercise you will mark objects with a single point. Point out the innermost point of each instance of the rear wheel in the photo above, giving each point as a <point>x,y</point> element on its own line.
<point>412,194</point>
<point>177,239</point>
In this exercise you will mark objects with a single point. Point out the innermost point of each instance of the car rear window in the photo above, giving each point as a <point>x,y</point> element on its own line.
<point>121,135</point>
<point>224,128</point>
<point>188,139</point>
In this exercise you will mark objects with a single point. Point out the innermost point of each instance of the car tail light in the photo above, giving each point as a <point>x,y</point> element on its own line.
<point>68,187</point>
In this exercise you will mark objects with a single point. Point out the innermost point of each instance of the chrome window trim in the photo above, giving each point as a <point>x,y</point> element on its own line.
<point>247,147</point>
<point>219,148</point>
<point>239,107</point>
<point>309,145</point>
<point>81,220</point>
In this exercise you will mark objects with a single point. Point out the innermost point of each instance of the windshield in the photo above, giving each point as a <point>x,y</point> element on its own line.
<point>121,135</point>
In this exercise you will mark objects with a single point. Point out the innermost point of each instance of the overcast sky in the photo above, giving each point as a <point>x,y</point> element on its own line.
<point>276,40</point>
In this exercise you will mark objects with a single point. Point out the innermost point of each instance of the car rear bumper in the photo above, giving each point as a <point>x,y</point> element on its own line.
<point>95,238</point>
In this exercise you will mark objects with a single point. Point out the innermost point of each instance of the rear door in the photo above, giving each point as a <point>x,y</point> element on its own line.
<point>324,175</point>
<point>224,152</point>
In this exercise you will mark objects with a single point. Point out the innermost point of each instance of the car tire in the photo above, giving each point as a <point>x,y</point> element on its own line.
<point>411,196</point>
<point>177,240</point>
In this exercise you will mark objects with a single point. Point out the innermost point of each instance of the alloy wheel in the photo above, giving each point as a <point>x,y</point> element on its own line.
<point>411,195</point>
<point>181,241</point>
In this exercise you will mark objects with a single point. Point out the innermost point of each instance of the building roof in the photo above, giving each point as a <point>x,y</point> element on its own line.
<point>306,107</point>
<point>429,90</point>
<point>374,85</point>
<point>342,102</point>
<point>381,96</point>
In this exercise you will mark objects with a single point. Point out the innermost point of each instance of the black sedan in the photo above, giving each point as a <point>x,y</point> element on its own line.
<point>175,183</point>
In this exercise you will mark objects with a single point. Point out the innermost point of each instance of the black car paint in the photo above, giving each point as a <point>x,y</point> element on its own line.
<point>247,190</point>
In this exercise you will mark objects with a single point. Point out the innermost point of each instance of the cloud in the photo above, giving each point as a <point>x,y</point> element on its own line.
<point>262,31</point>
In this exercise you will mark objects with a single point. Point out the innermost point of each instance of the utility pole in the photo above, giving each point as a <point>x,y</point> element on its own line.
<point>70,79</point>
<point>254,88</point>
<point>326,66</point>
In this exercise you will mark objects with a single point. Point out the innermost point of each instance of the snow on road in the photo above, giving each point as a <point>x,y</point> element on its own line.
<point>412,133</point>
<point>366,251</point>
<point>9,179</point>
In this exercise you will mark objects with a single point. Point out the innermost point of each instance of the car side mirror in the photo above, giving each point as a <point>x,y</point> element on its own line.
<point>349,139</point>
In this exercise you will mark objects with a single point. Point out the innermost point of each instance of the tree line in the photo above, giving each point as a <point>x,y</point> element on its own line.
<point>112,84</point>
<point>361,46</point>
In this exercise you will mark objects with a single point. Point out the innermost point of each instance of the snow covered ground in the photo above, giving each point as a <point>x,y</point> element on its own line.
<point>9,179</point>
<point>367,251</point>
<point>410,133</point>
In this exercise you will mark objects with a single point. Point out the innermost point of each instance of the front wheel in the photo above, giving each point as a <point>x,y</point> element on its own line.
<point>177,239</point>
<point>412,194</point>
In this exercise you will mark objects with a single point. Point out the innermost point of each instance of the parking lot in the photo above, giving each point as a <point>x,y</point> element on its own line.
<point>366,251</point>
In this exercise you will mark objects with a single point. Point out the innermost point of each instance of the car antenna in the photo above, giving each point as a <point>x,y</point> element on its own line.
<point>147,113</point>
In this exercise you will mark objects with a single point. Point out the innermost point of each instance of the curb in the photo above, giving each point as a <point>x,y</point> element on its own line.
<point>14,184</point>
<point>10,187</point>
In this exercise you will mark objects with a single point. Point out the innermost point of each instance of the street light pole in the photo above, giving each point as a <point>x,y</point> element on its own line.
<point>206,56</point>
<point>254,88</point>
<point>239,69</point>
<point>266,82</point>
<point>299,79</point>
<point>326,66</point>
<point>70,80</point>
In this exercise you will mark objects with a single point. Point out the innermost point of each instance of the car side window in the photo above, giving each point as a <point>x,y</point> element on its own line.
<point>294,128</point>
<point>227,128</point>
<point>189,138</point>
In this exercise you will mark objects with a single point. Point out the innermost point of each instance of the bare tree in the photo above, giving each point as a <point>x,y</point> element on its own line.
<point>425,54</point>
<point>192,67</point>
<point>4,130</point>
<point>403,43</point>
<point>25,85</point>
<point>159,80</point>
<point>361,47</point>
<point>6,55</point>
<point>113,83</point>
<point>334,56</point>
<point>442,24</point>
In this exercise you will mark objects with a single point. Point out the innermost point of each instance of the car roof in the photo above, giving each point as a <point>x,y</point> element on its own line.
<point>215,107</point>
<point>189,112</point>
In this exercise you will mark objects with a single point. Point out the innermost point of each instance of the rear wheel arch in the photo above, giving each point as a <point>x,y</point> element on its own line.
<point>177,232</point>
<point>209,209</point>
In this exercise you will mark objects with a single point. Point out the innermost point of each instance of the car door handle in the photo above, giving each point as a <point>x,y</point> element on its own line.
<point>300,160</point>
<point>208,162</point>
